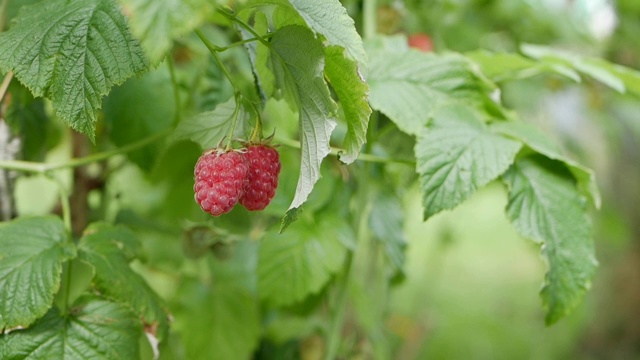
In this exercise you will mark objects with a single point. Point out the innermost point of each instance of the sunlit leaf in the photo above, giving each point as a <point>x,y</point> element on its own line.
<point>409,87</point>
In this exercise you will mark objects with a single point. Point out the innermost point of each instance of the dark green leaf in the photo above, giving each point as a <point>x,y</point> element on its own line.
<point>82,49</point>
<point>32,251</point>
<point>28,119</point>
<point>300,261</point>
<point>158,23</point>
<point>94,329</point>
<point>108,248</point>
<point>221,320</point>
<point>138,109</point>
<point>456,154</point>
<point>545,206</point>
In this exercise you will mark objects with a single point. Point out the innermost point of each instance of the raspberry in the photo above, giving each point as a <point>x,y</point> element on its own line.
<point>220,179</point>
<point>264,167</point>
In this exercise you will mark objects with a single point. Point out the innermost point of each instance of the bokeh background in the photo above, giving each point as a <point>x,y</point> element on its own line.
<point>470,278</point>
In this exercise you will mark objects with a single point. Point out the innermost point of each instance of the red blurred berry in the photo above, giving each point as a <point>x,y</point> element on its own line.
<point>421,42</point>
<point>220,179</point>
<point>264,167</point>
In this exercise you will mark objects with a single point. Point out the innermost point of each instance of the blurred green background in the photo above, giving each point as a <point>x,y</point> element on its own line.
<point>469,292</point>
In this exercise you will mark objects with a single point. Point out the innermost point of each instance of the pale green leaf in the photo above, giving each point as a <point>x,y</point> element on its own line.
<point>221,319</point>
<point>72,52</point>
<point>138,109</point>
<point>209,128</point>
<point>538,141</point>
<point>456,154</point>
<point>409,87</point>
<point>511,66</point>
<point>93,329</point>
<point>300,60</point>
<point>617,77</point>
<point>108,249</point>
<point>353,93</point>
<point>157,23</point>
<point>330,19</point>
<point>32,251</point>
<point>300,261</point>
<point>545,206</point>
<point>386,222</point>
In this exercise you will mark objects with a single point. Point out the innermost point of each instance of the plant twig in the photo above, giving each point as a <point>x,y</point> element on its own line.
<point>362,157</point>
<point>43,168</point>
<point>237,20</point>
<point>5,84</point>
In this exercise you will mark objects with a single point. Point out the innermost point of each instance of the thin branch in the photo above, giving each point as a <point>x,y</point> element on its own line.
<point>42,168</point>
<point>362,157</point>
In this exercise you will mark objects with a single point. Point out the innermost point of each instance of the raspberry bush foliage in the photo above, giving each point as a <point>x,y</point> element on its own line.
<point>117,113</point>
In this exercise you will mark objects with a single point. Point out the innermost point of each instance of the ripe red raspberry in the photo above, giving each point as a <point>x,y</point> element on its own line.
<point>264,168</point>
<point>220,179</point>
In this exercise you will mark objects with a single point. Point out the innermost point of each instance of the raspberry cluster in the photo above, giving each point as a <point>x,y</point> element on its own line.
<point>248,176</point>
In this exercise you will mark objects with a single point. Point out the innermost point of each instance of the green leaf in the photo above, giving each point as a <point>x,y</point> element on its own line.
<point>300,261</point>
<point>300,59</point>
<point>138,109</point>
<point>409,87</point>
<point>32,251</point>
<point>260,56</point>
<point>545,207</point>
<point>81,50</point>
<point>158,23</point>
<point>617,77</point>
<point>209,128</point>
<point>456,154</point>
<point>538,141</point>
<point>330,19</point>
<point>94,329</point>
<point>221,319</point>
<point>353,93</point>
<point>28,119</point>
<point>386,222</point>
<point>511,66</point>
<point>108,249</point>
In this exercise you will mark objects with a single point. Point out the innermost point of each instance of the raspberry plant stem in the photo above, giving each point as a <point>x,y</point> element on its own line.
<point>44,168</point>
<point>66,218</point>
<point>362,157</point>
<point>5,84</point>
<point>234,18</point>
<point>369,10</point>
<point>234,120</point>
